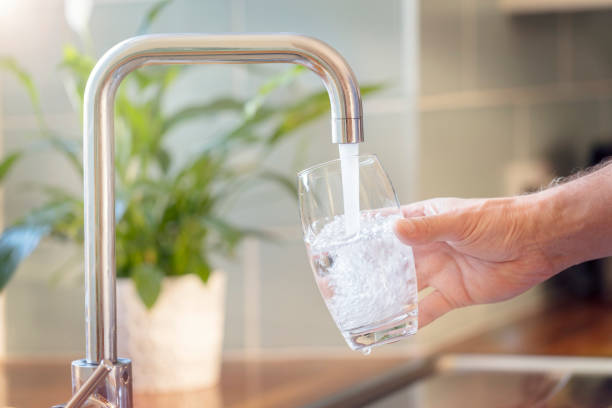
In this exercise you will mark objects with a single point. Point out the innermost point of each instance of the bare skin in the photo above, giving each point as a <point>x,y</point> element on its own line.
<point>487,250</point>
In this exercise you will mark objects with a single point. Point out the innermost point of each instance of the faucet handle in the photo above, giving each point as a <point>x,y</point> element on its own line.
<point>89,386</point>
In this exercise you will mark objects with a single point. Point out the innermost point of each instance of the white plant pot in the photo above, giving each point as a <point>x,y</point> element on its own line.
<point>177,344</point>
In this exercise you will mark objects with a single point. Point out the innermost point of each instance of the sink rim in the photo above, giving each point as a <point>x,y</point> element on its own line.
<point>380,386</point>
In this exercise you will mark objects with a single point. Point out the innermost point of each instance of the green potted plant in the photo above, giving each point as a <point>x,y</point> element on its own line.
<point>172,214</point>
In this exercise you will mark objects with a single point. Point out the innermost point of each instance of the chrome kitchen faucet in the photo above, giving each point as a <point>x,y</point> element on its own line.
<point>102,379</point>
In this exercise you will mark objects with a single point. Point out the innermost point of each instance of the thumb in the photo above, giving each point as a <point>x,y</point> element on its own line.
<point>428,229</point>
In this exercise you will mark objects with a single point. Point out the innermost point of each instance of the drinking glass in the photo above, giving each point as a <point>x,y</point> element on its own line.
<point>365,275</point>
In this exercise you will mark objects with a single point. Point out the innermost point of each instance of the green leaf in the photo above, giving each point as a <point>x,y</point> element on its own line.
<point>63,217</point>
<point>70,149</point>
<point>151,16</point>
<point>288,183</point>
<point>300,114</point>
<point>370,89</point>
<point>10,65</point>
<point>67,148</point>
<point>144,123</point>
<point>197,111</point>
<point>170,75</point>
<point>285,78</point>
<point>18,241</point>
<point>55,193</point>
<point>76,62</point>
<point>79,66</point>
<point>229,236</point>
<point>242,136</point>
<point>16,244</point>
<point>154,76</point>
<point>163,159</point>
<point>203,270</point>
<point>51,213</point>
<point>306,111</point>
<point>158,78</point>
<point>8,162</point>
<point>148,280</point>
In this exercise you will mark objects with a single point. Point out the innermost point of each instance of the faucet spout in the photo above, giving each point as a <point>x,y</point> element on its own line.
<point>98,139</point>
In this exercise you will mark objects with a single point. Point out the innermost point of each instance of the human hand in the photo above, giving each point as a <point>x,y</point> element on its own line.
<point>475,251</point>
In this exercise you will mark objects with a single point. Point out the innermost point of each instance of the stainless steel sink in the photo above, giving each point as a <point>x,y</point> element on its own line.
<point>486,381</point>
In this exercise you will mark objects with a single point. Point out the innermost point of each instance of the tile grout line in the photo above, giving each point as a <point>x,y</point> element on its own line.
<point>522,131</point>
<point>252,287</point>
<point>238,24</point>
<point>3,314</point>
<point>409,52</point>
<point>252,264</point>
<point>550,93</point>
<point>27,121</point>
<point>564,48</point>
<point>410,83</point>
<point>122,1</point>
<point>527,7</point>
<point>238,15</point>
<point>604,120</point>
<point>471,99</point>
<point>469,37</point>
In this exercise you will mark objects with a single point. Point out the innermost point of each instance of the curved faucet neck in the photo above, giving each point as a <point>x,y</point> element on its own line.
<point>98,138</point>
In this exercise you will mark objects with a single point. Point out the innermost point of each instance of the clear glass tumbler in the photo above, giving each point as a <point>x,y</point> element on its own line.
<point>366,276</point>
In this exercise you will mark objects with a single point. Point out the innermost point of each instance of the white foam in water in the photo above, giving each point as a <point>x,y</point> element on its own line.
<point>364,279</point>
<point>349,166</point>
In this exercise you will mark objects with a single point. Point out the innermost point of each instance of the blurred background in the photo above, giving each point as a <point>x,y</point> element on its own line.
<point>480,98</point>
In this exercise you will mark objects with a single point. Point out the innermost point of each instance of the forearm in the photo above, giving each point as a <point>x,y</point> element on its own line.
<point>575,219</point>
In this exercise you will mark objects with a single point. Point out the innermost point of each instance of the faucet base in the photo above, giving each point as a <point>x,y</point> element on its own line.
<point>116,389</point>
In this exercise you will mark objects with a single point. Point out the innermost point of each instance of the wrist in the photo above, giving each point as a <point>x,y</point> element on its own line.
<point>574,221</point>
<point>558,224</point>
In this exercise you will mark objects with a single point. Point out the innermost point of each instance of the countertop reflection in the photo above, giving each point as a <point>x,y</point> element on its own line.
<point>504,390</point>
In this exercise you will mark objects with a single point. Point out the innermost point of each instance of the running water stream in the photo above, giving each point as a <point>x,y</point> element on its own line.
<point>349,166</point>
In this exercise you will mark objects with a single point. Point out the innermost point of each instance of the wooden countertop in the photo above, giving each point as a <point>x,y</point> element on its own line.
<point>581,329</point>
<point>245,384</point>
<point>576,329</point>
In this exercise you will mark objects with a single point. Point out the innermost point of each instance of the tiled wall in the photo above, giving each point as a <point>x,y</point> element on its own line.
<point>497,89</point>
<point>494,90</point>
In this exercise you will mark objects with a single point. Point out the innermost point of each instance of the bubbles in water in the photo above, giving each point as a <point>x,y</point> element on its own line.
<point>366,278</point>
